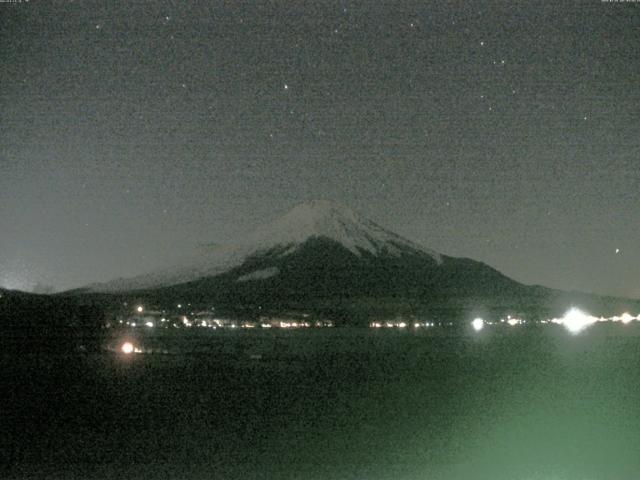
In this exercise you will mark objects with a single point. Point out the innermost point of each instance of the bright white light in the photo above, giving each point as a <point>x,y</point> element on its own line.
<point>576,320</point>
<point>477,324</point>
<point>402,325</point>
<point>140,309</point>
<point>149,324</point>
<point>513,321</point>
<point>626,318</point>
<point>127,347</point>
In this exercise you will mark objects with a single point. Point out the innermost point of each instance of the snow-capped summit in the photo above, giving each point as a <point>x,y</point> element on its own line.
<point>329,220</point>
<point>318,219</point>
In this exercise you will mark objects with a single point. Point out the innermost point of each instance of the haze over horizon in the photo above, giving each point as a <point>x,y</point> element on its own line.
<point>132,133</point>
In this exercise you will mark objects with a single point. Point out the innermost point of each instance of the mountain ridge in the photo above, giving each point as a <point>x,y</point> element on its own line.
<point>326,260</point>
<point>315,219</point>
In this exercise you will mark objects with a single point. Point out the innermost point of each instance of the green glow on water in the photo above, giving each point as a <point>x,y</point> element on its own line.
<point>518,405</point>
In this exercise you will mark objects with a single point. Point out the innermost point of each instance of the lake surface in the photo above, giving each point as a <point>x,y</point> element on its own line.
<point>529,404</point>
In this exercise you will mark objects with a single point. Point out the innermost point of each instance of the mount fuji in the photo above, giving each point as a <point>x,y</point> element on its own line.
<point>325,258</point>
<point>316,221</point>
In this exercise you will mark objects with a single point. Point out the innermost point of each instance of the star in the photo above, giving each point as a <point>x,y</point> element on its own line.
<point>482,44</point>
<point>286,87</point>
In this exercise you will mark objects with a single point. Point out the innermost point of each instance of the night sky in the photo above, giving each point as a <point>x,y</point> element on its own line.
<point>133,132</point>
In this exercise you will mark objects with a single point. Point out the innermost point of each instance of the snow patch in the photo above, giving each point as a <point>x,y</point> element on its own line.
<point>259,274</point>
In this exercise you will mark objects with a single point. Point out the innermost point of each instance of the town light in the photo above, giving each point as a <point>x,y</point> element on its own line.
<point>127,347</point>
<point>576,320</point>
<point>140,309</point>
<point>477,324</point>
<point>626,318</point>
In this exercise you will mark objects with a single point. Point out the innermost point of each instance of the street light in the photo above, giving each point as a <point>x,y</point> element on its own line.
<point>477,324</point>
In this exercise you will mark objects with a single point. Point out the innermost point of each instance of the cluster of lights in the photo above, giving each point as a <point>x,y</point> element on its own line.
<point>424,325</point>
<point>203,320</point>
<point>294,324</point>
<point>575,320</point>
<point>297,324</point>
<point>512,322</point>
<point>388,325</point>
<point>128,348</point>
<point>400,324</point>
<point>217,323</point>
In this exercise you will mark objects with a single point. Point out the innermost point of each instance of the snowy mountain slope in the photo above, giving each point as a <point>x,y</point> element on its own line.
<point>335,222</point>
<point>317,219</point>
